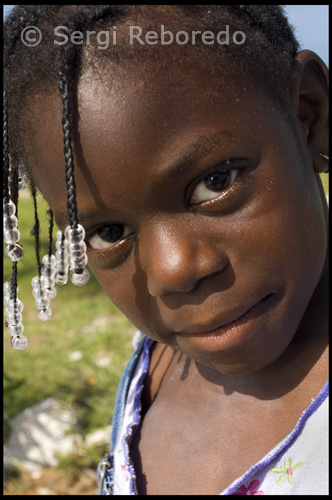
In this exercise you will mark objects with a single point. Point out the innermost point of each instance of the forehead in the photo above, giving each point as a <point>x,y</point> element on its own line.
<point>135,120</point>
<point>128,98</point>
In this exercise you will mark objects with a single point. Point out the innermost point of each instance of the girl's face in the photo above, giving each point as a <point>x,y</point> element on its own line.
<point>202,212</point>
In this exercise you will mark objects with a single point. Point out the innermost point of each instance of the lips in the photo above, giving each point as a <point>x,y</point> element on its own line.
<point>224,320</point>
<point>228,329</point>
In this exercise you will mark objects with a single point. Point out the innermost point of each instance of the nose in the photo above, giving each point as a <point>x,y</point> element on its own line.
<point>178,261</point>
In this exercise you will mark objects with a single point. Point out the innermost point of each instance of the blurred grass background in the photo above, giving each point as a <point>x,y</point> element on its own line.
<point>325,181</point>
<point>78,355</point>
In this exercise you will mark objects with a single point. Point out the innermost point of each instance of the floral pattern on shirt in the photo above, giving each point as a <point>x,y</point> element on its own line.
<point>242,490</point>
<point>286,471</point>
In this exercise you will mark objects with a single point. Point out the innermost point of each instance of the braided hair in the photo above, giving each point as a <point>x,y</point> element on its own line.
<point>267,56</point>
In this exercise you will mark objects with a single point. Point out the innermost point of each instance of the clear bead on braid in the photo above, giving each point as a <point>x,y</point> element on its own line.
<point>13,314</point>
<point>61,256</point>
<point>78,258</point>
<point>11,234</point>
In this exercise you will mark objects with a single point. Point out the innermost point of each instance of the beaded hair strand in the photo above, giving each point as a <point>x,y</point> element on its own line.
<point>74,233</point>
<point>14,251</point>
<point>49,262</point>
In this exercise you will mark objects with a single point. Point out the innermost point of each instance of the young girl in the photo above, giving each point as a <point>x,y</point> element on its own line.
<point>181,160</point>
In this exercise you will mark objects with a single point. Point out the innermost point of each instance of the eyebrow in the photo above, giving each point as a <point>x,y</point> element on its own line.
<point>62,219</point>
<point>192,153</point>
<point>195,150</point>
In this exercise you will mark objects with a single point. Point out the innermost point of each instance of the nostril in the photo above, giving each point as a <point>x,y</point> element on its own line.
<point>161,285</point>
<point>183,273</point>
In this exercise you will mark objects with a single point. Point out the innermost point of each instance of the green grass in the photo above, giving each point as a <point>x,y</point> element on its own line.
<point>83,320</point>
<point>325,181</point>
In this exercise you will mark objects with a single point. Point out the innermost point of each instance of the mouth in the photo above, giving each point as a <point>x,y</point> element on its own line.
<point>224,332</point>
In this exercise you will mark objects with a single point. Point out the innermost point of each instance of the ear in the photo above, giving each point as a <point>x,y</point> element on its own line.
<point>311,105</point>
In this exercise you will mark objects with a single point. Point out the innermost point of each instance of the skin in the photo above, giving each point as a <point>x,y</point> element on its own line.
<point>141,147</point>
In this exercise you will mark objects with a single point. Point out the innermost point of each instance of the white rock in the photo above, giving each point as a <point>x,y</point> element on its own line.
<point>103,361</point>
<point>75,356</point>
<point>38,433</point>
<point>36,474</point>
<point>102,436</point>
<point>45,491</point>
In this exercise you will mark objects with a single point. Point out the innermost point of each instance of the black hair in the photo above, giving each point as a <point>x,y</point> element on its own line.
<point>268,53</point>
<point>268,56</point>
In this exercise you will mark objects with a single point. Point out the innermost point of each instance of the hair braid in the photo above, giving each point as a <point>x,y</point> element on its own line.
<point>5,152</point>
<point>13,193</point>
<point>50,232</point>
<point>36,229</point>
<point>13,187</point>
<point>13,282</point>
<point>66,126</point>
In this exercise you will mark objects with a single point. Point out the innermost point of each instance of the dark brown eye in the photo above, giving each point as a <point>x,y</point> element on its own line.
<point>111,233</point>
<point>108,235</point>
<point>218,181</point>
<point>214,182</point>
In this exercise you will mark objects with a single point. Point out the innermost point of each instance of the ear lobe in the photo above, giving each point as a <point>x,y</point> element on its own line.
<point>312,106</point>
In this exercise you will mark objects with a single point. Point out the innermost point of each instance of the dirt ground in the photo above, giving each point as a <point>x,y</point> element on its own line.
<point>52,482</point>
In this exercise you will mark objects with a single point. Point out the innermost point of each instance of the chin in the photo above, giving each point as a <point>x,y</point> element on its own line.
<point>237,367</point>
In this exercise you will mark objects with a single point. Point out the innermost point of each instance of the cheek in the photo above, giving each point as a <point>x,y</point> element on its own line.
<point>127,292</point>
<point>283,237</point>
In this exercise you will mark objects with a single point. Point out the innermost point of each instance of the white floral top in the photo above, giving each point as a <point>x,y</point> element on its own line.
<point>298,465</point>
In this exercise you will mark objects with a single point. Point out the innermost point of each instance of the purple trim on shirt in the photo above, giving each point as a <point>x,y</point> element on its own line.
<point>282,445</point>
<point>136,415</point>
